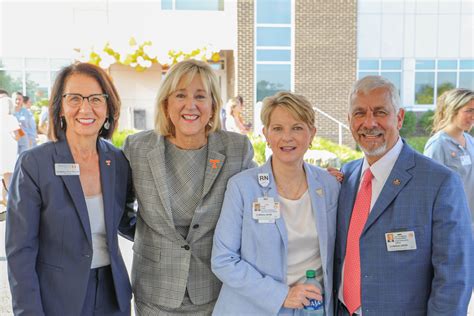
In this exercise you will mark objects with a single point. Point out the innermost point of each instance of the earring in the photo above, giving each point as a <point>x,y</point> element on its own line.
<point>62,122</point>
<point>106,124</point>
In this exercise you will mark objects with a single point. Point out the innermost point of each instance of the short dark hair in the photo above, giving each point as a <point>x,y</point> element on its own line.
<point>25,98</point>
<point>2,91</point>
<point>113,100</point>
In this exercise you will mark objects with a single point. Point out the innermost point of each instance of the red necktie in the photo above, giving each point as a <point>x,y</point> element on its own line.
<point>360,213</point>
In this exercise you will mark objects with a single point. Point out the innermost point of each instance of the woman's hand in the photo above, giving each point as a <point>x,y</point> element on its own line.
<point>300,294</point>
<point>336,173</point>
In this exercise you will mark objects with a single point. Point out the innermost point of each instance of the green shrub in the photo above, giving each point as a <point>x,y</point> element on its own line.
<point>344,153</point>
<point>409,124</point>
<point>418,143</point>
<point>118,138</point>
<point>426,121</point>
<point>259,145</point>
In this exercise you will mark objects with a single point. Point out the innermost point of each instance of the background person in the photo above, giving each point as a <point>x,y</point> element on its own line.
<point>393,189</point>
<point>180,171</point>
<point>23,117</point>
<point>9,132</point>
<point>233,120</point>
<point>67,198</point>
<point>32,133</point>
<point>451,144</point>
<point>262,264</point>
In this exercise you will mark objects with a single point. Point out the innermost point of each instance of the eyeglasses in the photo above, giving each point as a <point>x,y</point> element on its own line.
<point>76,99</point>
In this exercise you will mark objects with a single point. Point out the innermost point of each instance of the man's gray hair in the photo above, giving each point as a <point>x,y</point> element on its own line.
<point>370,83</point>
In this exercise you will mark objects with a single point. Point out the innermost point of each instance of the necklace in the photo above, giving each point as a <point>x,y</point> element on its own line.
<point>295,194</point>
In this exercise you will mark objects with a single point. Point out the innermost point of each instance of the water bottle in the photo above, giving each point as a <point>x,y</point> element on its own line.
<point>315,307</point>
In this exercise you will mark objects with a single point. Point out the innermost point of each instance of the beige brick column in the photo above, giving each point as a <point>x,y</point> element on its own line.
<point>245,56</point>
<point>325,58</point>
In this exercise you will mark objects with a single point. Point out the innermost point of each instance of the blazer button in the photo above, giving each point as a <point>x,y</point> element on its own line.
<point>87,255</point>
<point>186,247</point>
<point>195,226</point>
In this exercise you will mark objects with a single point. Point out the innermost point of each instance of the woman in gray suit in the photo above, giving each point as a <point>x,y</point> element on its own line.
<point>65,203</point>
<point>180,171</point>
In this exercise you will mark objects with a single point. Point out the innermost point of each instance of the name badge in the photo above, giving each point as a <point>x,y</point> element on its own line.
<point>66,169</point>
<point>265,210</point>
<point>466,160</point>
<point>399,241</point>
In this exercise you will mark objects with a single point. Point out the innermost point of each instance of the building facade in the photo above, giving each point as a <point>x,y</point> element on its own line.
<point>312,47</point>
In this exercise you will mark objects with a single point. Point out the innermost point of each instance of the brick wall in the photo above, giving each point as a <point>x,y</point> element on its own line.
<point>245,56</point>
<point>325,59</point>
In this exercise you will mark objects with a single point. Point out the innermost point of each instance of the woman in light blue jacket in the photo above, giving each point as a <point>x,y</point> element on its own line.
<point>277,222</point>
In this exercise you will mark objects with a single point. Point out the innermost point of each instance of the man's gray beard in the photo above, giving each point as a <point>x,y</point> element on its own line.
<point>379,151</point>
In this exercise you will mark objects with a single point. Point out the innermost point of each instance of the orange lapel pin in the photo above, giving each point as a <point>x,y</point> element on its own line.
<point>214,163</point>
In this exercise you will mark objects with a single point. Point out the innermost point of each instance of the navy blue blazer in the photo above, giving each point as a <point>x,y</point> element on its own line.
<point>48,235</point>
<point>421,196</point>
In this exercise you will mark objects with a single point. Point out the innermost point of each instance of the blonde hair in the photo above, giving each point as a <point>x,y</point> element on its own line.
<point>230,106</point>
<point>299,107</point>
<point>448,106</point>
<point>187,70</point>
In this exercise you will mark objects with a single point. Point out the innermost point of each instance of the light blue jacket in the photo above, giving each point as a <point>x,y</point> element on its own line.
<point>251,258</point>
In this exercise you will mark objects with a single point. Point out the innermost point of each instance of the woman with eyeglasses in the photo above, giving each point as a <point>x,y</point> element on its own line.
<point>67,198</point>
<point>451,144</point>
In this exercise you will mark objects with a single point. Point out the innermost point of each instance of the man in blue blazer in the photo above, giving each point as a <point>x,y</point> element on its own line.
<point>410,251</point>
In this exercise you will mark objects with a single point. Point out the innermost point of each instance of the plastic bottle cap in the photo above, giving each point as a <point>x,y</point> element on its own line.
<point>310,273</point>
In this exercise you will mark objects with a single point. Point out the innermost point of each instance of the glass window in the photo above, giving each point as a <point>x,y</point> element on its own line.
<point>166,4</point>
<point>446,81</point>
<point>273,36</point>
<point>363,74</point>
<point>11,63</point>
<point>368,64</point>
<point>36,63</point>
<point>271,79</point>
<point>139,119</point>
<point>11,81</point>
<point>466,80</point>
<point>447,64</point>
<point>60,63</point>
<point>466,64</point>
<point>392,64</point>
<point>425,64</point>
<point>196,5</point>
<point>424,88</point>
<point>274,11</point>
<point>37,85</point>
<point>273,55</point>
<point>395,78</point>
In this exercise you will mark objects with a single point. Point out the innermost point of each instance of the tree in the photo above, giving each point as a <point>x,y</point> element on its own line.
<point>266,88</point>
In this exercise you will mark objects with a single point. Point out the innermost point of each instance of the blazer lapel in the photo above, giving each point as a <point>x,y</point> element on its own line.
<point>73,185</point>
<point>156,160</point>
<point>273,192</point>
<point>107,179</point>
<point>399,177</point>
<point>318,203</point>
<point>215,161</point>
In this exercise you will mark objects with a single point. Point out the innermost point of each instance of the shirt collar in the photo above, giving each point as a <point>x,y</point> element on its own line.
<point>381,168</point>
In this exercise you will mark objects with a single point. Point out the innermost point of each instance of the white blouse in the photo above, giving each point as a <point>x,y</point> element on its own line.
<point>303,239</point>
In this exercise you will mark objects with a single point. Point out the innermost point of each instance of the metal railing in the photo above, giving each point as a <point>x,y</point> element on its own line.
<point>339,124</point>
